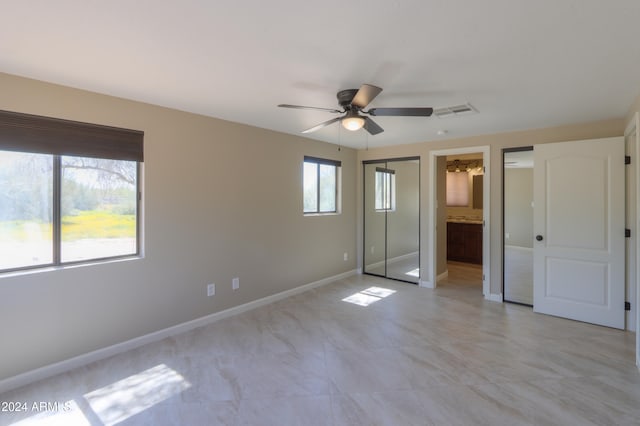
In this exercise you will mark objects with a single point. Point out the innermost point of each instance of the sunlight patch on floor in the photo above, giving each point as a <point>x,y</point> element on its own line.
<point>414,273</point>
<point>134,394</point>
<point>368,296</point>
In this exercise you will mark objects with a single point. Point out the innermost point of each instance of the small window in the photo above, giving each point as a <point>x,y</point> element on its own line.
<point>458,189</point>
<point>320,182</point>
<point>385,189</point>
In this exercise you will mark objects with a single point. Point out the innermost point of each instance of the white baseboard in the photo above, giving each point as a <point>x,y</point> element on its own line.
<point>81,360</point>
<point>494,297</point>
<point>426,284</point>
<point>429,284</point>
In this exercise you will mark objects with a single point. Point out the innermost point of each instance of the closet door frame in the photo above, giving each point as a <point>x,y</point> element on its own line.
<point>384,163</point>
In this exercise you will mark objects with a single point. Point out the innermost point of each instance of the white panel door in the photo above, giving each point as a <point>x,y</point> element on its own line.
<point>579,252</point>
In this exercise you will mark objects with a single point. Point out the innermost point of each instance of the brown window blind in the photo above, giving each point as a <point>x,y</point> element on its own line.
<point>317,160</point>
<point>45,135</point>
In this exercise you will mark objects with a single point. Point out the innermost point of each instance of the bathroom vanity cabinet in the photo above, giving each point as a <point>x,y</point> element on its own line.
<point>464,242</point>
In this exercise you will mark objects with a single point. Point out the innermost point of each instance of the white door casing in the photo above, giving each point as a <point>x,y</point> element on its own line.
<point>579,212</point>
<point>431,275</point>
<point>633,129</point>
<point>630,223</point>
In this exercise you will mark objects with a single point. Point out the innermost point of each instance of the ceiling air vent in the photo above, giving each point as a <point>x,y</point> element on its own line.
<point>456,110</point>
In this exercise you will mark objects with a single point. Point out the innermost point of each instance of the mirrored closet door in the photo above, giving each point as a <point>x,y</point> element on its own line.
<point>392,218</point>
<point>518,225</point>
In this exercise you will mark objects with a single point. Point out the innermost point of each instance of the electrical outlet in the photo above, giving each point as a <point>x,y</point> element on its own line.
<point>235,283</point>
<point>211,289</point>
<point>346,256</point>
<point>507,235</point>
<point>373,249</point>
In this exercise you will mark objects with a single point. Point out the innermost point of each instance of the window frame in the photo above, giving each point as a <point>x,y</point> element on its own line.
<point>337,168</point>
<point>388,196</point>
<point>59,138</point>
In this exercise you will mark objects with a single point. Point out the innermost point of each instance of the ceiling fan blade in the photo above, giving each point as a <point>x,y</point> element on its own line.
<point>400,112</point>
<point>321,125</point>
<point>365,95</point>
<point>309,107</point>
<point>371,126</point>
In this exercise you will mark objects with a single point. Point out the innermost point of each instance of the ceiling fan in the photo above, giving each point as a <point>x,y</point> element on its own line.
<point>353,102</point>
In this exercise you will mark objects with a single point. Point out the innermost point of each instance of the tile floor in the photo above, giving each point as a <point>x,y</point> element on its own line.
<point>392,355</point>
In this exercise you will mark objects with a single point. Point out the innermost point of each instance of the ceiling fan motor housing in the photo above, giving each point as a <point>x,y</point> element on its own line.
<point>353,102</point>
<point>345,97</point>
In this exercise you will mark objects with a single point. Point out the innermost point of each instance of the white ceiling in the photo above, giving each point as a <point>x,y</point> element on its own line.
<point>522,64</point>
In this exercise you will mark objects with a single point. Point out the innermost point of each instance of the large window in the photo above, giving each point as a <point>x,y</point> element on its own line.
<point>321,185</point>
<point>69,192</point>
<point>385,189</point>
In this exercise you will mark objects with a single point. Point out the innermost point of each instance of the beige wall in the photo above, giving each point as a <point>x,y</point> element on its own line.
<point>497,142</point>
<point>221,200</point>
<point>635,107</point>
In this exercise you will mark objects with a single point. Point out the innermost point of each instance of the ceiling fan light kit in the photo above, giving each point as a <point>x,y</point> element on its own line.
<point>352,122</point>
<point>353,102</point>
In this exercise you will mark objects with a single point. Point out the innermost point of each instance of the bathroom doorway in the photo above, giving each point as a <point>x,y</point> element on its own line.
<point>459,227</point>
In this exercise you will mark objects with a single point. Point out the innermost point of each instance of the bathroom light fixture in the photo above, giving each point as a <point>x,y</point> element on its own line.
<point>468,166</point>
<point>352,121</point>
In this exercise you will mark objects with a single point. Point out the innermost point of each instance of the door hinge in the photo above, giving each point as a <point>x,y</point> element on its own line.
<point>482,277</point>
<point>627,233</point>
<point>627,306</point>
<point>627,159</point>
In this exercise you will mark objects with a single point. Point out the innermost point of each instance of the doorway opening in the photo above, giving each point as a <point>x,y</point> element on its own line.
<point>459,226</point>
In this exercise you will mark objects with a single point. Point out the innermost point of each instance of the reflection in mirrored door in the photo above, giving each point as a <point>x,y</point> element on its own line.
<point>374,223</point>
<point>391,219</point>
<point>518,225</point>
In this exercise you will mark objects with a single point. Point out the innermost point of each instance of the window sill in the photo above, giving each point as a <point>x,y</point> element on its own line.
<point>321,214</point>
<point>53,268</point>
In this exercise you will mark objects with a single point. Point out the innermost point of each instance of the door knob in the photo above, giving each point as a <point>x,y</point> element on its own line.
<point>539,237</point>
